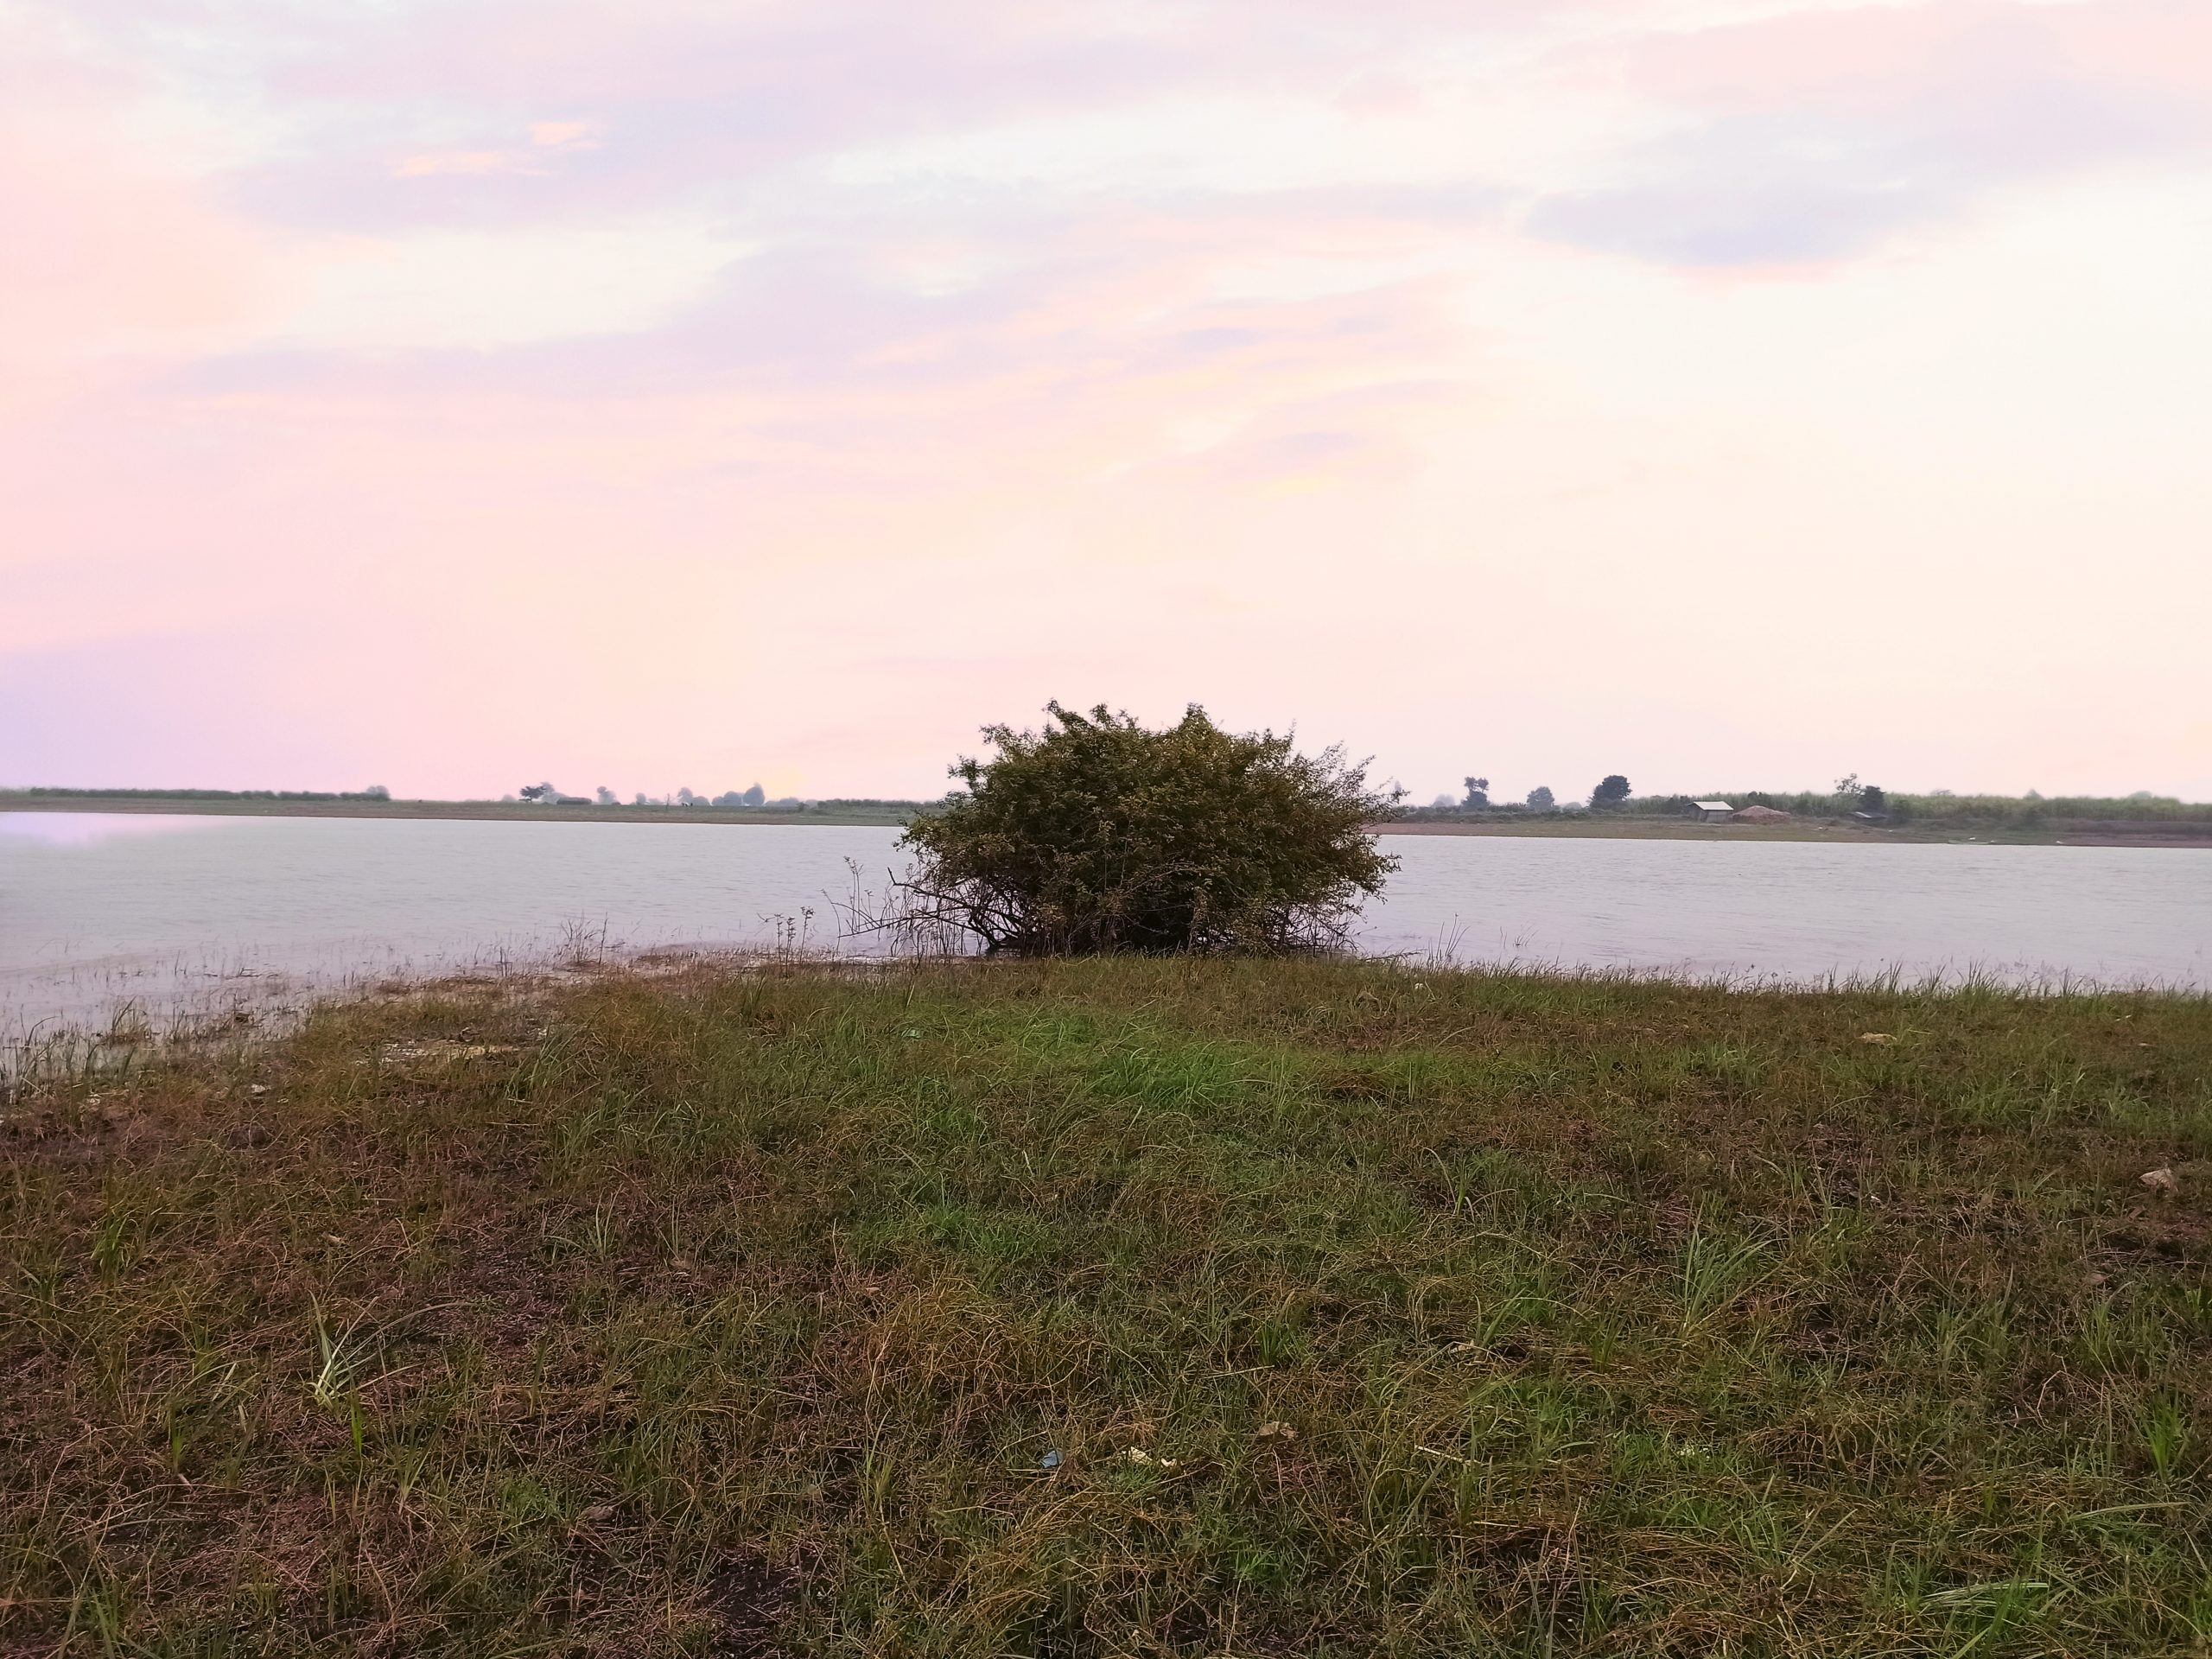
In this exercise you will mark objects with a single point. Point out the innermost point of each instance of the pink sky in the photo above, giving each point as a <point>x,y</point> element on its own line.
<point>657,392</point>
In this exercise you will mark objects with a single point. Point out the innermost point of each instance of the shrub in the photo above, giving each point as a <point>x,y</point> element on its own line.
<point>1610,791</point>
<point>1097,834</point>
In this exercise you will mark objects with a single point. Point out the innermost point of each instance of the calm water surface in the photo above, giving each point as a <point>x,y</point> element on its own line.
<point>179,914</point>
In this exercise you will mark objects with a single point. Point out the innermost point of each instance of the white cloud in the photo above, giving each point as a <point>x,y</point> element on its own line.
<point>468,289</point>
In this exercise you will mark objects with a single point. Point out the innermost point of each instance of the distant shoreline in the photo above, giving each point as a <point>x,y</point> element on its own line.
<point>495,812</point>
<point>1826,831</point>
<point>1606,827</point>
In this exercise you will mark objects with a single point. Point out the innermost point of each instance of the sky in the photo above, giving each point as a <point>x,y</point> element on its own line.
<point>455,394</point>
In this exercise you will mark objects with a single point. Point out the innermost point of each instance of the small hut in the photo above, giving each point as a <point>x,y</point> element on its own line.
<point>1713,811</point>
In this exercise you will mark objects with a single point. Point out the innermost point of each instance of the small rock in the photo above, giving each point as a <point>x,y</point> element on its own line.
<point>2160,1180</point>
<point>257,1090</point>
<point>1050,1460</point>
<point>1275,1432</point>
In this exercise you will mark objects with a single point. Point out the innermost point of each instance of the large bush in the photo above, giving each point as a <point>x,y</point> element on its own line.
<point>1097,834</point>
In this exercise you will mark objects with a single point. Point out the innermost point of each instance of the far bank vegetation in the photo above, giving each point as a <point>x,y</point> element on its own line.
<point>1850,801</point>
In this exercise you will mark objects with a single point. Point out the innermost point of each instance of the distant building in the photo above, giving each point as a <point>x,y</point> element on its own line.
<point>1713,811</point>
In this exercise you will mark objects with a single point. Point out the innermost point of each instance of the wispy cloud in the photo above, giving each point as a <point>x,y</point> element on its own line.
<point>1812,136</point>
<point>720,346</point>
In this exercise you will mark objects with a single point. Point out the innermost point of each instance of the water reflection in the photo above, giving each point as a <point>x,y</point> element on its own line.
<point>92,828</point>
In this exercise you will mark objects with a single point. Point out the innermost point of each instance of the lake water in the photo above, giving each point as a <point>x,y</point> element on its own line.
<point>181,914</point>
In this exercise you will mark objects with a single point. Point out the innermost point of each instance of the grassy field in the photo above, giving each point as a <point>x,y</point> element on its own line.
<point>1120,1308</point>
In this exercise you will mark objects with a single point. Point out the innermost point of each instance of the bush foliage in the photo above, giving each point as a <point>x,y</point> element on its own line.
<point>1097,834</point>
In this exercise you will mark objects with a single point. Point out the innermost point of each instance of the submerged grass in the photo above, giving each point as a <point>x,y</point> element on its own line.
<point>1124,1308</point>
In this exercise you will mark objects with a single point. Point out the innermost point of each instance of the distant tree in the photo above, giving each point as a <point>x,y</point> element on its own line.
<point>1444,804</point>
<point>1872,798</point>
<point>606,797</point>
<point>1478,793</point>
<point>685,797</point>
<point>755,796</point>
<point>538,791</point>
<point>1097,834</point>
<point>1540,799</point>
<point>640,799</point>
<point>376,792</point>
<point>1612,791</point>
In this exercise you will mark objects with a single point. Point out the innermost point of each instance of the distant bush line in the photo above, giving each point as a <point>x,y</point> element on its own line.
<point>1966,811</point>
<point>839,804</point>
<point>204,794</point>
<point>1996,811</point>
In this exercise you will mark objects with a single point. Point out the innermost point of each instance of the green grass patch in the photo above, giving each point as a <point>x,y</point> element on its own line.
<point>1135,1307</point>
